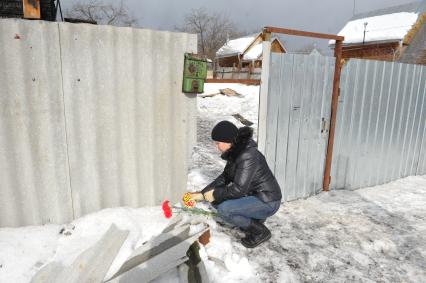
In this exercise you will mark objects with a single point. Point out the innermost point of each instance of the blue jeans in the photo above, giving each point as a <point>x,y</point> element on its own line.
<point>240,212</point>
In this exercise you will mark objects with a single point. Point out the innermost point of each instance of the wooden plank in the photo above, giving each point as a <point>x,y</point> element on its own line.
<point>32,9</point>
<point>209,95</point>
<point>238,81</point>
<point>303,33</point>
<point>243,120</point>
<point>229,92</point>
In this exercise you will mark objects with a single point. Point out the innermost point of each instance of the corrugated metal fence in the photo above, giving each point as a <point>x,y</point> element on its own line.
<point>380,130</point>
<point>299,104</point>
<point>381,120</point>
<point>90,117</point>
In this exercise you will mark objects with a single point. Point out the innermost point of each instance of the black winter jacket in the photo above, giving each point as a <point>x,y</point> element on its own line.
<point>246,173</point>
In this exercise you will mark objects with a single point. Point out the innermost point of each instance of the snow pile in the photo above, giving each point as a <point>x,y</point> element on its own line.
<point>223,262</point>
<point>23,251</point>
<point>379,28</point>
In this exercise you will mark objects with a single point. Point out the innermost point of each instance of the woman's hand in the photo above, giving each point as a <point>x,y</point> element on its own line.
<point>208,196</point>
<point>197,196</point>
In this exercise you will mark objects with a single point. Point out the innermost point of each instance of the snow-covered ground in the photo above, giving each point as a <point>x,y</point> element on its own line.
<point>375,234</point>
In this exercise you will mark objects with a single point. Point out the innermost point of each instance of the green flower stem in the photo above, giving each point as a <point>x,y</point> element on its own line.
<point>198,211</point>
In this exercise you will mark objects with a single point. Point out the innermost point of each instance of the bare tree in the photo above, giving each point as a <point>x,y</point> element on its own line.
<point>102,13</point>
<point>213,30</point>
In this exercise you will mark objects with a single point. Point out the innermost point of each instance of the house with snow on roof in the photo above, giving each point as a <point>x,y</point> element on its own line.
<point>244,51</point>
<point>393,34</point>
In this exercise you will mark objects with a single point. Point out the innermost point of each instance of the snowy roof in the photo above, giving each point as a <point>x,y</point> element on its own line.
<point>236,46</point>
<point>254,53</point>
<point>380,28</point>
<point>413,7</point>
<point>390,24</point>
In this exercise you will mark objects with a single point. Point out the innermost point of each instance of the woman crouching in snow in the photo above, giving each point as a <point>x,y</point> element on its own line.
<point>246,193</point>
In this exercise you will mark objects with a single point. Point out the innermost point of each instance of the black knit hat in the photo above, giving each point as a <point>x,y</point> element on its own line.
<point>224,131</point>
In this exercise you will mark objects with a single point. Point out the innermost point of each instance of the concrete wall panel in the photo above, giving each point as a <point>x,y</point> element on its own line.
<point>34,179</point>
<point>91,117</point>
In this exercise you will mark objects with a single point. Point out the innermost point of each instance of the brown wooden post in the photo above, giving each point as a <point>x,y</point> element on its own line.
<point>239,66</point>
<point>233,70</point>
<point>214,68</point>
<point>334,102</point>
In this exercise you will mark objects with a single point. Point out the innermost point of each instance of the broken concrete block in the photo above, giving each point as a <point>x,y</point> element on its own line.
<point>157,256</point>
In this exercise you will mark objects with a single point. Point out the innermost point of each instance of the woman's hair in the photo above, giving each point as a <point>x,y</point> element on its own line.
<point>243,136</point>
<point>239,144</point>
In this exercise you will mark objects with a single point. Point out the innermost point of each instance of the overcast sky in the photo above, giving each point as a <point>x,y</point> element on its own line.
<point>327,16</point>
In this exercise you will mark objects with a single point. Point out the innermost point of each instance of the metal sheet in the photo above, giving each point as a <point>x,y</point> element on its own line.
<point>299,97</point>
<point>380,123</point>
<point>91,117</point>
<point>380,127</point>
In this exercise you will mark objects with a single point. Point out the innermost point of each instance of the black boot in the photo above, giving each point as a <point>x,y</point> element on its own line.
<point>256,234</point>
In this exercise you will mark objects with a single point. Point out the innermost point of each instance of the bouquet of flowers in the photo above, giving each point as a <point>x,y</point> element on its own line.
<point>188,207</point>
